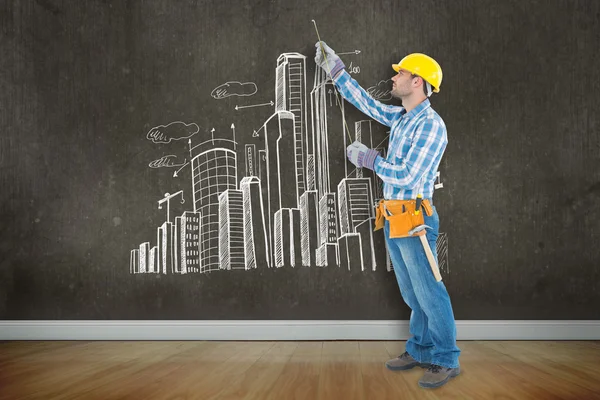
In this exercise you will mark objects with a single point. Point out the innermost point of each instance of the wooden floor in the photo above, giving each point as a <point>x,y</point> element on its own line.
<point>290,370</point>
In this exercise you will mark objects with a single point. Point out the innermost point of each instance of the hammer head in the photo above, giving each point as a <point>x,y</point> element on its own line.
<point>416,231</point>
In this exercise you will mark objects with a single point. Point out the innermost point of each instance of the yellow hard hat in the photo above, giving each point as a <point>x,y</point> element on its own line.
<point>424,66</point>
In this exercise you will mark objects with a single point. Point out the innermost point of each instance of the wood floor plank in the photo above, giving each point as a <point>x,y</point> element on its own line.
<point>548,372</point>
<point>394,348</point>
<point>373,356</point>
<point>484,375</point>
<point>257,381</point>
<point>405,383</point>
<point>341,376</point>
<point>198,378</point>
<point>12,351</point>
<point>299,379</point>
<point>103,363</point>
<point>110,371</point>
<point>35,372</point>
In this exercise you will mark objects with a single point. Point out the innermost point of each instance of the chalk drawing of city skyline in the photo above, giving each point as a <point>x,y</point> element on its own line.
<point>280,214</point>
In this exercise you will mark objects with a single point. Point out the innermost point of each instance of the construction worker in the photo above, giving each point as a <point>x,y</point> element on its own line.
<point>417,142</point>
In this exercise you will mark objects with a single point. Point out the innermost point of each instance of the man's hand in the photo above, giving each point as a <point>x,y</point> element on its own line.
<point>356,152</point>
<point>361,156</point>
<point>330,62</point>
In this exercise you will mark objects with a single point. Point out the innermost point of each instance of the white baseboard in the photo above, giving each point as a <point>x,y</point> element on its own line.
<point>290,330</point>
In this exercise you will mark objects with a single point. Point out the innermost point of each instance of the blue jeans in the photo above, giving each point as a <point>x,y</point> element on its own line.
<point>432,323</point>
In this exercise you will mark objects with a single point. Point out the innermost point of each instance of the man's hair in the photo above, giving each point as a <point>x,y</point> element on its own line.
<point>424,83</point>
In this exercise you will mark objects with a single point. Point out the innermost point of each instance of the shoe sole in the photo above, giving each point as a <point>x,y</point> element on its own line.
<point>438,384</point>
<point>408,366</point>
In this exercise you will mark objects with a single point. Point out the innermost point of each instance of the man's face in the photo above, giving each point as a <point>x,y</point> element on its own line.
<point>402,84</point>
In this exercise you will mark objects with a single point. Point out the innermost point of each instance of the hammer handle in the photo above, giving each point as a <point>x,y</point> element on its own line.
<point>432,263</point>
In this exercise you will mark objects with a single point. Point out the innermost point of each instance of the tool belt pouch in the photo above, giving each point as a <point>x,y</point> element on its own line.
<point>401,216</point>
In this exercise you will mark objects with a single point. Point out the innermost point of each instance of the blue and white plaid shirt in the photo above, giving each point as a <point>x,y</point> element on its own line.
<point>418,140</point>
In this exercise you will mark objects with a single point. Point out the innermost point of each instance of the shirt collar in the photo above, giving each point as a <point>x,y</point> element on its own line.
<point>417,110</point>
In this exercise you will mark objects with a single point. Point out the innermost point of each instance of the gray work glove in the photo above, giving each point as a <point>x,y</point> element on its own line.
<point>330,62</point>
<point>361,156</point>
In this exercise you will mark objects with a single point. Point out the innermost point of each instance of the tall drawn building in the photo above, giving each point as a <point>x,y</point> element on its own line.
<point>134,262</point>
<point>231,230</point>
<point>255,225</point>
<point>330,135</point>
<point>329,139</point>
<point>278,182</point>
<point>367,243</point>
<point>283,238</point>
<point>187,243</point>
<point>213,172</point>
<point>309,227</point>
<point>356,223</point>
<point>350,252</point>
<point>328,234</point>
<point>144,254</point>
<point>355,203</point>
<point>290,95</point>
<point>164,243</point>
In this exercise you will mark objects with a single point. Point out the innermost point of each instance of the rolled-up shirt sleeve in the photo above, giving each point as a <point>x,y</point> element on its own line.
<point>351,91</point>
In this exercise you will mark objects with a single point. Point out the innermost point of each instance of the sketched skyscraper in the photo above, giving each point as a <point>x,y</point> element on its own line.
<point>309,227</point>
<point>367,243</point>
<point>231,230</point>
<point>255,225</point>
<point>330,134</point>
<point>290,95</point>
<point>213,172</point>
<point>355,203</point>
<point>278,182</point>
<point>328,233</point>
<point>144,253</point>
<point>134,261</point>
<point>186,243</point>
<point>356,223</point>
<point>327,117</point>
<point>164,243</point>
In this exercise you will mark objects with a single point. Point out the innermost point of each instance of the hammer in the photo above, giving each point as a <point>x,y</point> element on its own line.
<point>420,231</point>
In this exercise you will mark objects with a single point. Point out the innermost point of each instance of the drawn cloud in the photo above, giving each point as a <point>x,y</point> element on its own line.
<point>165,161</point>
<point>234,89</point>
<point>174,131</point>
<point>381,91</point>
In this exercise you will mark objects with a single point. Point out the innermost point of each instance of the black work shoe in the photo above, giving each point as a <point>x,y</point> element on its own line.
<point>436,376</point>
<point>403,362</point>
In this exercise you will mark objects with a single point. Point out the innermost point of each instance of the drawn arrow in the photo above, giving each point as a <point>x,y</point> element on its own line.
<point>190,144</point>
<point>256,105</point>
<point>212,133</point>
<point>350,52</point>
<point>233,129</point>
<point>175,173</point>
<point>255,134</point>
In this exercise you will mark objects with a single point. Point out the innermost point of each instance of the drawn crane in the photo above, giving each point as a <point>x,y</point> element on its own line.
<point>168,198</point>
